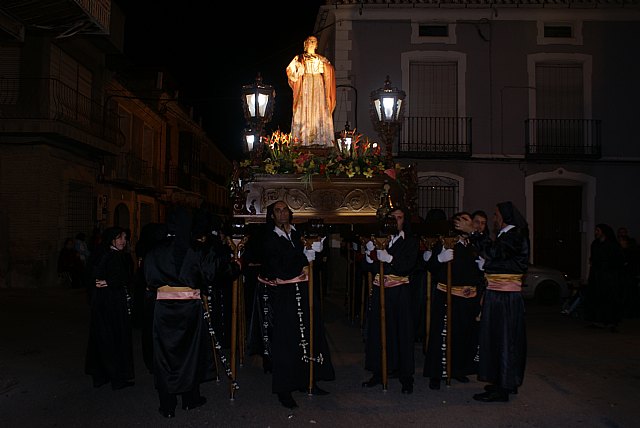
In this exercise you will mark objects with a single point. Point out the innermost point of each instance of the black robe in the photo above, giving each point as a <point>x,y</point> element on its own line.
<point>182,354</point>
<point>284,259</point>
<point>110,349</point>
<point>398,314</point>
<point>503,336</point>
<point>464,310</point>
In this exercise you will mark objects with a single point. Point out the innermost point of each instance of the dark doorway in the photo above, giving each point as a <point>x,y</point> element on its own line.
<point>556,216</point>
<point>121,216</point>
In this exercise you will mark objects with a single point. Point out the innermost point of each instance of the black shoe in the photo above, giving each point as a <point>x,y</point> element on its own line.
<point>266,364</point>
<point>287,400</point>
<point>407,387</point>
<point>122,385</point>
<point>491,397</point>
<point>494,388</point>
<point>461,379</point>
<point>167,413</point>
<point>375,380</point>
<point>434,383</point>
<point>195,403</point>
<point>315,390</point>
<point>99,383</point>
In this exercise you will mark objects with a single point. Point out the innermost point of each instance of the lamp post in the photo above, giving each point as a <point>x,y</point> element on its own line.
<point>258,102</point>
<point>386,114</point>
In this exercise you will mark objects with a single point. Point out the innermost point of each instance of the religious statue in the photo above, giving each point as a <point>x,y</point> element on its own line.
<point>312,78</point>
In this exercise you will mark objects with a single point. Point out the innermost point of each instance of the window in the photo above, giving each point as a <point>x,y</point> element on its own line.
<point>433,32</point>
<point>559,33</point>
<point>438,192</point>
<point>435,101</point>
<point>560,108</point>
<point>124,124</point>
<point>9,73</point>
<point>81,209</point>
<point>70,87</point>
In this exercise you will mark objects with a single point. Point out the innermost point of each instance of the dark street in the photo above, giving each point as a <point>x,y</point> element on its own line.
<point>575,377</point>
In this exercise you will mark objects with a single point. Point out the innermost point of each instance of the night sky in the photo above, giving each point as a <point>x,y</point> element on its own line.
<point>232,41</point>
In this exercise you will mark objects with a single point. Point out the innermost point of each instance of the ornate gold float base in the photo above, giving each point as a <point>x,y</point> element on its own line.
<point>338,200</point>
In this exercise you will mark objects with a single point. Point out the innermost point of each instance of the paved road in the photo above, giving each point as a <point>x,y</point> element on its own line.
<point>575,377</point>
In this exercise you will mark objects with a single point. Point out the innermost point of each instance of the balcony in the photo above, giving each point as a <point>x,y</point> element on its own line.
<point>563,138</point>
<point>38,105</point>
<point>128,170</point>
<point>66,16</point>
<point>435,137</point>
<point>178,179</point>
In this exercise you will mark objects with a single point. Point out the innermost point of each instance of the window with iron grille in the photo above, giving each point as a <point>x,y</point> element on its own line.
<point>433,32</point>
<point>559,32</point>
<point>81,209</point>
<point>438,192</point>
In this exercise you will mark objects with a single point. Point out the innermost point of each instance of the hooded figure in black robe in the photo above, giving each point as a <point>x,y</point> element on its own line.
<point>502,338</point>
<point>182,356</point>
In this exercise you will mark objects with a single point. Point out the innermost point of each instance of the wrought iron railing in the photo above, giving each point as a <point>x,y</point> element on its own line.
<point>565,138</point>
<point>50,99</point>
<point>435,137</point>
<point>129,169</point>
<point>178,178</point>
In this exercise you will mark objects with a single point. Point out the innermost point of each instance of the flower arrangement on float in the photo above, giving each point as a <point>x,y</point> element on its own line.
<point>283,154</point>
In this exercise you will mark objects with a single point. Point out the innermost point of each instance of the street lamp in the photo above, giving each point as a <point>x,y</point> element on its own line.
<point>258,102</point>
<point>346,140</point>
<point>386,114</point>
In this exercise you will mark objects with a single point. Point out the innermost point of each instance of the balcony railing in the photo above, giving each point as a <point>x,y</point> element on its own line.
<point>435,137</point>
<point>178,178</point>
<point>128,169</point>
<point>50,99</point>
<point>94,14</point>
<point>563,138</point>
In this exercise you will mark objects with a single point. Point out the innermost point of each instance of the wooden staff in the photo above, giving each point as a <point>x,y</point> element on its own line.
<point>449,243</point>
<point>241,320</point>
<point>348,290</point>
<point>236,245</point>
<point>381,244</point>
<point>207,309</point>
<point>353,285</point>
<point>429,243</point>
<point>363,243</point>
<point>308,243</point>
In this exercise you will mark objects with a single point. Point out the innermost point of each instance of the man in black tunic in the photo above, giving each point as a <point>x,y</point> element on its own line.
<point>284,270</point>
<point>466,283</point>
<point>400,259</point>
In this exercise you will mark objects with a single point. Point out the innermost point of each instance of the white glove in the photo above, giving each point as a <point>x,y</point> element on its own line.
<point>367,258</point>
<point>370,246</point>
<point>354,246</point>
<point>311,255</point>
<point>384,256</point>
<point>318,246</point>
<point>427,255</point>
<point>480,262</point>
<point>446,255</point>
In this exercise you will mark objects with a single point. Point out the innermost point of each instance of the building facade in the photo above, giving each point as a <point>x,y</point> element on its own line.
<point>83,145</point>
<point>528,101</point>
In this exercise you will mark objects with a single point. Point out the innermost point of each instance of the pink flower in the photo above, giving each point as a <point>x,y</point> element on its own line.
<point>391,173</point>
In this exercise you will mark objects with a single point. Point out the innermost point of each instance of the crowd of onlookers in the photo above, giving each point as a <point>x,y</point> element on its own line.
<point>612,290</point>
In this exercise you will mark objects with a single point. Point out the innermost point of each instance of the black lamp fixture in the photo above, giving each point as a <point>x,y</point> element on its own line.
<point>387,114</point>
<point>258,100</point>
